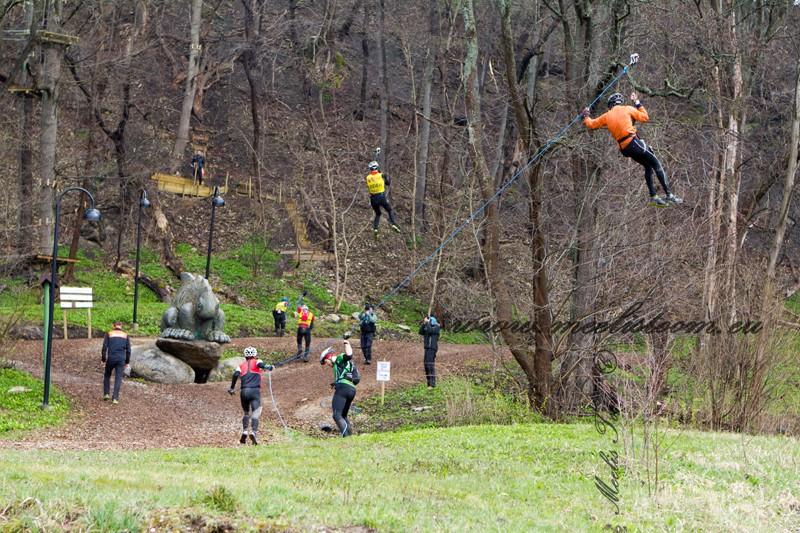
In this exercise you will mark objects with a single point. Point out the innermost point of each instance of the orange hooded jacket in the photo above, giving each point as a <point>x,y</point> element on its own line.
<point>619,121</point>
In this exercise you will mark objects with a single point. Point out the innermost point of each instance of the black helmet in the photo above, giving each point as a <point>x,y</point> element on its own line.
<point>615,99</point>
<point>373,165</point>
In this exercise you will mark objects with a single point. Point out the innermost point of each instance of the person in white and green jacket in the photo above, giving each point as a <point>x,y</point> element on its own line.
<point>344,387</point>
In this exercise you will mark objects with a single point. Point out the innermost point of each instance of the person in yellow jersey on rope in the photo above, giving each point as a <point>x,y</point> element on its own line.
<point>376,185</point>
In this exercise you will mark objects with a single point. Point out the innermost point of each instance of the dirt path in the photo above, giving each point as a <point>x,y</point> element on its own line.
<point>152,415</point>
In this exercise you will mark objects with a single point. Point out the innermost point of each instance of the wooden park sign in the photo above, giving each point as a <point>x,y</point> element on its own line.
<point>76,298</point>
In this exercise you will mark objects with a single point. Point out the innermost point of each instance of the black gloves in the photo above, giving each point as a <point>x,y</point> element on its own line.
<point>231,391</point>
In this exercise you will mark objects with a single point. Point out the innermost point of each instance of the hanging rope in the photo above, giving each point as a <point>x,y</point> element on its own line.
<point>505,186</point>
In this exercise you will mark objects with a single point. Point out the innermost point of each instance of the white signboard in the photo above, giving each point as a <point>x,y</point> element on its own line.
<point>384,368</point>
<point>75,297</point>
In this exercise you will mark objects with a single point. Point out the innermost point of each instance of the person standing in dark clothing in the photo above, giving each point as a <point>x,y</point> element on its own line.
<point>279,316</point>
<point>430,329</point>
<point>367,320</point>
<point>343,384</point>
<point>116,354</point>
<point>249,392</point>
<point>198,167</point>
<point>305,323</point>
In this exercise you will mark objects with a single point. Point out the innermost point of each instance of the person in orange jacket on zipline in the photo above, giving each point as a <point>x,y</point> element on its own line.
<point>619,121</point>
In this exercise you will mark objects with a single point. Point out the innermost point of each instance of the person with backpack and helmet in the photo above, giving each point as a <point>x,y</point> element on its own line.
<point>250,391</point>
<point>430,330</point>
<point>367,320</point>
<point>619,120</point>
<point>305,323</point>
<point>116,356</point>
<point>279,316</point>
<point>345,379</point>
<point>376,185</point>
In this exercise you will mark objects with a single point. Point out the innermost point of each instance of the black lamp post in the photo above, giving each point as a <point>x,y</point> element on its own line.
<point>143,202</point>
<point>92,215</point>
<point>216,201</point>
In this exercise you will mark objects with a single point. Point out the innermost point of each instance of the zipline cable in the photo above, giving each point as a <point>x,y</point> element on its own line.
<point>504,187</point>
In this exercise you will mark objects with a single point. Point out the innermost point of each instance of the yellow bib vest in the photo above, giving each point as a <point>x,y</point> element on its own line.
<point>375,183</point>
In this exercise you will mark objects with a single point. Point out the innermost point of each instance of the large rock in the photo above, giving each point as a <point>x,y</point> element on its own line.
<point>202,356</point>
<point>224,369</point>
<point>152,364</point>
<point>333,317</point>
<point>28,333</point>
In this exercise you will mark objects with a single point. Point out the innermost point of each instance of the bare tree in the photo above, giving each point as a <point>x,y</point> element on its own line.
<point>192,70</point>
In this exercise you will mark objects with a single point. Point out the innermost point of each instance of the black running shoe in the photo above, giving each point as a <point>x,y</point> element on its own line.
<point>243,438</point>
<point>253,438</point>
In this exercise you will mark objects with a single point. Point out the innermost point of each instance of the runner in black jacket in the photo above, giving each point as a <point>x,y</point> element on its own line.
<point>250,394</point>
<point>116,354</point>
<point>430,329</point>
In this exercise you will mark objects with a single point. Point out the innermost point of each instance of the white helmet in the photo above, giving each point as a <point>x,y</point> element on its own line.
<point>373,165</point>
<point>326,353</point>
<point>250,352</point>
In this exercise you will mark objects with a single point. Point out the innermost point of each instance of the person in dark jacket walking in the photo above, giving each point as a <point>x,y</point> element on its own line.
<point>116,354</point>
<point>344,388</point>
<point>367,320</point>
<point>430,329</point>
<point>250,392</point>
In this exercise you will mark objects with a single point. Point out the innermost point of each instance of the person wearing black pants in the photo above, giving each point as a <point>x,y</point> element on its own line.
<point>367,320</point>
<point>279,316</point>
<point>116,354</point>
<point>430,330</point>
<point>619,120</point>
<point>344,388</point>
<point>305,323</point>
<point>376,185</point>
<point>250,392</point>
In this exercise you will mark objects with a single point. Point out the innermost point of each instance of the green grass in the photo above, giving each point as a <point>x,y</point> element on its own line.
<point>532,477</point>
<point>22,411</point>
<point>455,401</point>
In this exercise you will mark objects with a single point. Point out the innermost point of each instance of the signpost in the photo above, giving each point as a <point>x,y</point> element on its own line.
<point>76,298</point>
<point>384,371</point>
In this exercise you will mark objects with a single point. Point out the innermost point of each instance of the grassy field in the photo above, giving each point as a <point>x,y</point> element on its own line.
<point>21,410</point>
<point>532,477</point>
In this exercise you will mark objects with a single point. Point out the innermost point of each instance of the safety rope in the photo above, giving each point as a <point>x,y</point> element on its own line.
<point>505,186</point>
<point>274,403</point>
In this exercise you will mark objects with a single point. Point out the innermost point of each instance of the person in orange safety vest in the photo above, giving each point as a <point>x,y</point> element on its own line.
<point>305,323</point>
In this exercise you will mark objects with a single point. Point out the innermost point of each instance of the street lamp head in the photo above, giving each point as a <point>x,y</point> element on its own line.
<point>143,201</point>
<point>92,215</point>
<point>217,200</point>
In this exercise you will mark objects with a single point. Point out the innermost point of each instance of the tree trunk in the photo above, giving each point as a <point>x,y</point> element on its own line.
<point>362,98</point>
<point>250,58</point>
<point>541,360</point>
<point>581,69</point>
<point>491,246</point>
<point>191,86</point>
<point>51,72</point>
<point>25,190</point>
<point>384,85</point>
<point>770,302</point>
<point>425,127</point>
